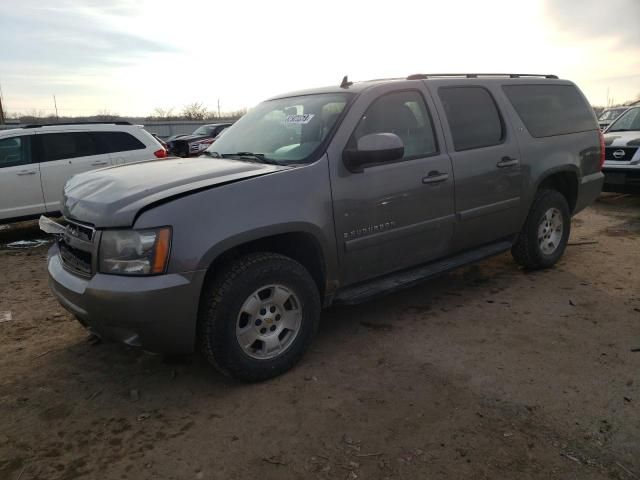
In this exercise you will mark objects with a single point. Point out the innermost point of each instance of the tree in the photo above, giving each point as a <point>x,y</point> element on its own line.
<point>164,113</point>
<point>195,111</point>
<point>32,116</point>
<point>105,115</point>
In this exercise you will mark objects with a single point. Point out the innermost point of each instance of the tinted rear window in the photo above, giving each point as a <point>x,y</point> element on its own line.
<point>548,110</point>
<point>111,142</point>
<point>473,117</point>
<point>60,146</point>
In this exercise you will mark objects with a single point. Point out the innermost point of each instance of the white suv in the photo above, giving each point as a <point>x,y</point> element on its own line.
<point>622,153</point>
<point>37,160</point>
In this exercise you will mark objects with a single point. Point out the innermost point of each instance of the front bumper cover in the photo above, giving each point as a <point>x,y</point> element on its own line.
<point>157,313</point>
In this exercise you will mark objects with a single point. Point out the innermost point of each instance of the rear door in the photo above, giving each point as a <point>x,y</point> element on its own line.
<point>63,155</point>
<point>486,164</point>
<point>399,214</point>
<point>20,189</point>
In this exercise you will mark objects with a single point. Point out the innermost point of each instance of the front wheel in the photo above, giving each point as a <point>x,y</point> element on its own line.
<point>545,233</point>
<point>258,316</point>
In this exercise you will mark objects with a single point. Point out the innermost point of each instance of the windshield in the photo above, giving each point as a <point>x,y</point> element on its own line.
<point>629,120</point>
<point>204,130</point>
<point>611,114</point>
<point>285,130</point>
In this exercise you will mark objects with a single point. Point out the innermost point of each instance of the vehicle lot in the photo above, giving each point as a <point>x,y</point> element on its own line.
<point>488,372</point>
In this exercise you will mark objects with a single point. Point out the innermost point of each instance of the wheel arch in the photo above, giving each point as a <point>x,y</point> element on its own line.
<point>565,180</point>
<point>298,242</point>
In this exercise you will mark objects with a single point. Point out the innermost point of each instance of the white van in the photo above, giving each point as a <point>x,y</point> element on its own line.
<point>37,160</point>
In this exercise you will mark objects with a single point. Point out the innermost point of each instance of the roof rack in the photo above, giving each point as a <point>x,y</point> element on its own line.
<point>119,122</point>
<point>423,76</point>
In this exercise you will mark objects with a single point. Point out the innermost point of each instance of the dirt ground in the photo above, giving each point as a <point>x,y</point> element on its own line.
<point>488,372</point>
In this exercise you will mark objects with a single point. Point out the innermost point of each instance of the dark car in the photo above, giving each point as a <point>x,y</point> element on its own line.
<point>607,117</point>
<point>197,142</point>
<point>332,195</point>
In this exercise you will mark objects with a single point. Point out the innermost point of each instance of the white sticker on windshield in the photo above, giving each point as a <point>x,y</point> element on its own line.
<point>299,119</point>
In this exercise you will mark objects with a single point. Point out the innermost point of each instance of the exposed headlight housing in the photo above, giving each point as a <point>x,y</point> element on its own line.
<point>135,252</point>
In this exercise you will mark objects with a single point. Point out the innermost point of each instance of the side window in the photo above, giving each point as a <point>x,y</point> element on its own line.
<point>61,146</point>
<point>548,110</point>
<point>473,117</point>
<point>15,151</point>
<point>406,115</point>
<point>112,142</point>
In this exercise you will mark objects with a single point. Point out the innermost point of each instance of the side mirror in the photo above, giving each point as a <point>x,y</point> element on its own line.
<point>373,149</point>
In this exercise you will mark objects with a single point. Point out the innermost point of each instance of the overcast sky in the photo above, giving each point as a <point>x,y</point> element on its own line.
<point>129,56</point>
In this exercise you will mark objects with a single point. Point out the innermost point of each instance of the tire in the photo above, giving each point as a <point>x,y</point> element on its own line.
<point>263,296</point>
<point>540,246</point>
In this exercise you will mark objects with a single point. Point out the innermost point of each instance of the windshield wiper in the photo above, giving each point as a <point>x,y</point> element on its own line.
<point>255,156</point>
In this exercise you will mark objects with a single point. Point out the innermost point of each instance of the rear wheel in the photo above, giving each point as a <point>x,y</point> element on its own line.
<point>545,233</point>
<point>258,316</point>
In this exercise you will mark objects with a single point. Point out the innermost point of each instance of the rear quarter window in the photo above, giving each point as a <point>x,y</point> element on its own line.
<point>548,110</point>
<point>112,142</point>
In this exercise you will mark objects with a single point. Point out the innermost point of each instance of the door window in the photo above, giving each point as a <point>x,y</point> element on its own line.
<point>61,146</point>
<point>406,115</point>
<point>15,151</point>
<point>473,117</point>
<point>113,142</point>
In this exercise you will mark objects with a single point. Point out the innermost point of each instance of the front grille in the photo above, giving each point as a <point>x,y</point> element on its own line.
<point>80,231</point>
<point>619,154</point>
<point>76,247</point>
<point>75,259</point>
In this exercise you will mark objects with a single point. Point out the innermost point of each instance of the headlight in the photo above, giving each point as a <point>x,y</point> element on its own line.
<point>135,252</point>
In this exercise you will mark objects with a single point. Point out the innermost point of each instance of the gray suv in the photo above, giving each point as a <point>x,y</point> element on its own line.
<point>325,196</point>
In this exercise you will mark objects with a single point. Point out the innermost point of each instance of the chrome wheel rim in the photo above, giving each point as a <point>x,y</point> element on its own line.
<point>268,322</point>
<point>550,231</point>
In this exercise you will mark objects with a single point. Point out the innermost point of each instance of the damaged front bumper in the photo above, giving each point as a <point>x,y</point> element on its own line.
<point>158,313</point>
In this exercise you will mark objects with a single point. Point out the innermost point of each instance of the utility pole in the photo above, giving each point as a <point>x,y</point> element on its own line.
<point>55,104</point>
<point>2,120</point>
<point>218,108</point>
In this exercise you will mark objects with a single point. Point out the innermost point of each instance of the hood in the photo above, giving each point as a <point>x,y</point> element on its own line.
<point>112,197</point>
<point>622,139</point>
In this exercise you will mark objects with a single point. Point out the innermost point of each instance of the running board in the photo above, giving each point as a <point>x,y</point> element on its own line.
<point>396,281</point>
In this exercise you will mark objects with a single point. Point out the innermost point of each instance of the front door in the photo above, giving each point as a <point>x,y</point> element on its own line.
<point>63,155</point>
<point>486,165</point>
<point>20,189</point>
<point>399,214</point>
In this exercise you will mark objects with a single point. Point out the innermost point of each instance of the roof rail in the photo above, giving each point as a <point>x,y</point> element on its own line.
<point>423,76</point>
<point>118,122</point>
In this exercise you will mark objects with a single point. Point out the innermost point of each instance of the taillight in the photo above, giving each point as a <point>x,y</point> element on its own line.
<point>162,153</point>
<point>601,150</point>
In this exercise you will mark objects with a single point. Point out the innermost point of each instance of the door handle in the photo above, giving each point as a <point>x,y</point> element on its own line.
<point>435,177</point>
<point>26,172</point>
<point>507,162</point>
<point>100,162</point>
